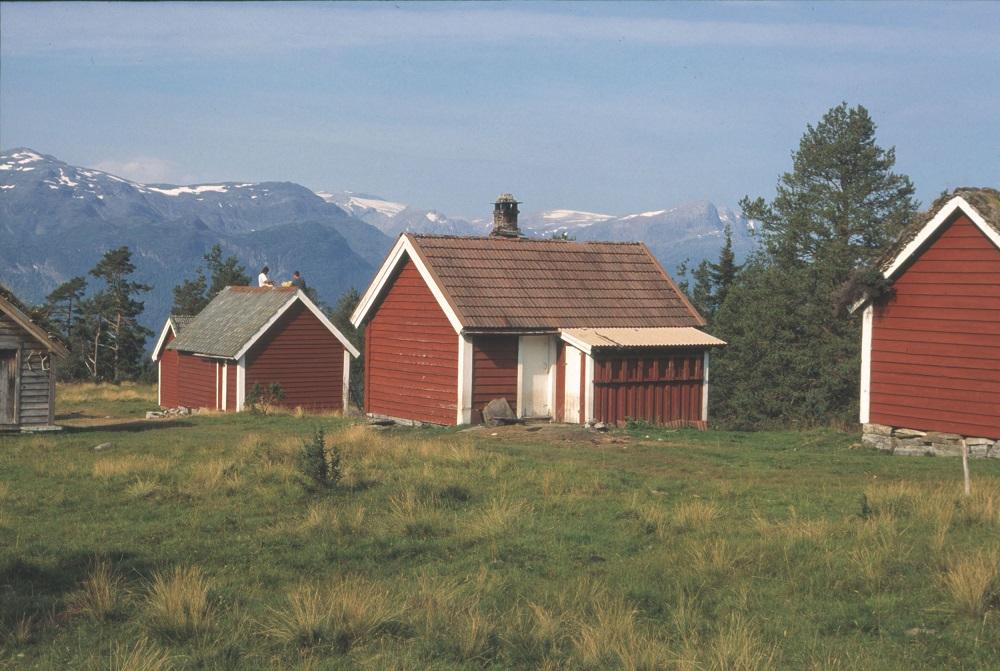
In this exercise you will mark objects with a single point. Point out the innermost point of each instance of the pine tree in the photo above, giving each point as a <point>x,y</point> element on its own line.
<point>117,338</point>
<point>63,305</point>
<point>224,272</point>
<point>191,296</point>
<point>792,356</point>
<point>723,273</point>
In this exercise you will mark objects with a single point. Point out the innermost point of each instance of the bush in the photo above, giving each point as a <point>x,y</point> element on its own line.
<point>261,399</point>
<point>319,467</point>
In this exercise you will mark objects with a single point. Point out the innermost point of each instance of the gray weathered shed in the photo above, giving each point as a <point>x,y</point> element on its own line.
<point>27,370</point>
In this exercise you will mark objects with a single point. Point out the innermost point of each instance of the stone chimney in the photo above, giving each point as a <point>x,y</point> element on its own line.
<point>505,217</point>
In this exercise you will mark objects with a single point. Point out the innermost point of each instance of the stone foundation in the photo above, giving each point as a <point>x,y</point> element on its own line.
<point>911,442</point>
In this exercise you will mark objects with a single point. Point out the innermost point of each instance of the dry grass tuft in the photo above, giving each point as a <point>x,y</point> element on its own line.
<point>499,515</point>
<point>416,515</point>
<point>971,582</point>
<point>111,467</point>
<point>177,603</point>
<point>695,514</point>
<point>347,613</point>
<point>100,594</point>
<point>142,489</point>
<point>609,635</point>
<point>23,630</point>
<point>4,491</point>
<point>737,647</point>
<point>141,656</point>
<point>215,475</point>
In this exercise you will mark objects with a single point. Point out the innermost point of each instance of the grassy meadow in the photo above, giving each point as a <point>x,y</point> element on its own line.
<point>193,544</point>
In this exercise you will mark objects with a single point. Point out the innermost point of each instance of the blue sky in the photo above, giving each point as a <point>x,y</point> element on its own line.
<point>604,107</point>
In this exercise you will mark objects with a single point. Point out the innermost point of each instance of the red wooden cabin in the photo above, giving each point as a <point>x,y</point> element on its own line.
<point>931,351</point>
<point>568,331</point>
<point>249,336</point>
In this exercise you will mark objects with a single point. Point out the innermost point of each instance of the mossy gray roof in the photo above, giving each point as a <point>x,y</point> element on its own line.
<point>228,323</point>
<point>986,201</point>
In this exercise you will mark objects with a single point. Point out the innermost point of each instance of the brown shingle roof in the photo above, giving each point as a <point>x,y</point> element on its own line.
<point>504,283</point>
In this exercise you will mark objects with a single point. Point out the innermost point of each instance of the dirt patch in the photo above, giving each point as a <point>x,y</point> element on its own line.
<point>551,434</point>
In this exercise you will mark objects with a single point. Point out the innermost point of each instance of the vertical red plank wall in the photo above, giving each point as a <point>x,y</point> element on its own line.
<point>411,360</point>
<point>658,386</point>
<point>936,342</point>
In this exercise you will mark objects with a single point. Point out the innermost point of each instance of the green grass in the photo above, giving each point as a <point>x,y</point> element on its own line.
<point>191,544</point>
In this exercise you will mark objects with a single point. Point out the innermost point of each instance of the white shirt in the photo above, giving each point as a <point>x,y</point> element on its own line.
<point>263,280</point>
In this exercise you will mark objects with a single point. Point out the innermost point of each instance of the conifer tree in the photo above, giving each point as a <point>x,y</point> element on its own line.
<point>64,310</point>
<point>116,338</point>
<point>792,355</point>
<point>191,296</point>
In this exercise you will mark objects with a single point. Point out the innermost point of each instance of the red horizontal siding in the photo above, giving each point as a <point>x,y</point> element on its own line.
<point>936,343</point>
<point>411,354</point>
<point>660,386</point>
<point>494,371</point>
<point>301,355</point>
<point>196,377</point>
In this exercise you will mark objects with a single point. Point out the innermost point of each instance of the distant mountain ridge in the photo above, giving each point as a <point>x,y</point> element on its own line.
<point>691,232</point>
<point>56,220</point>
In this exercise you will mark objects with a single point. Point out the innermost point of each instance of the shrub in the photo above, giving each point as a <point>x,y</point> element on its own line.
<point>318,466</point>
<point>260,399</point>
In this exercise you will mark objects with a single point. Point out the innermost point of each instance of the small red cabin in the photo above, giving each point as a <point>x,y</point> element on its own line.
<point>931,350</point>
<point>566,331</point>
<point>249,336</point>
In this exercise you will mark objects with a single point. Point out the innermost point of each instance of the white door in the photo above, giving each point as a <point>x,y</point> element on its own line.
<point>535,359</point>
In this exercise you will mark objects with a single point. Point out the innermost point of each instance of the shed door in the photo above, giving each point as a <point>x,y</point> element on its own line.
<point>535,358</point>
<point>8,386</point>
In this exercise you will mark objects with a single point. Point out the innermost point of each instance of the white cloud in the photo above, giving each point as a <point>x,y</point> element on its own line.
<point>144,169</point>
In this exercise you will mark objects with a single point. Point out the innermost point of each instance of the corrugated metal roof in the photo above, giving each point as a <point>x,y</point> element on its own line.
<point>684,336</point>
<point>513,283</point>
<point>231,320</point>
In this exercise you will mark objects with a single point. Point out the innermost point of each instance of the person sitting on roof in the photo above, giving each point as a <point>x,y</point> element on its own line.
<point>263,280</point>
<point>297,281</point>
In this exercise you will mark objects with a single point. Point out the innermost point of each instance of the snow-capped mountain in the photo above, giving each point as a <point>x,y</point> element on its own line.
<point>692,232</point>
<point>56,220</point>
<point>393,218</point>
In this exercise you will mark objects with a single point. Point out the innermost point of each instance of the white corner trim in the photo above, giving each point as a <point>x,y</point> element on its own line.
<point>519,405</point>
<point>345,389</point>
<point>588,388</point>
<point>241,383</point>
<point>931,227</point>
<point>704,389</point>
<point>225,384</point>
<point>217,406</point>
<point>575,342</point>
<point>161,341</point>
<point>867,324</point>
<point>463,414</point>
<point>159,383</point>
<point>402,247</point>
<point>297,296</point>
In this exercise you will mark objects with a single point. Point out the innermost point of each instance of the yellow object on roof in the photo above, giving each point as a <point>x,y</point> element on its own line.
<point>675,336</point>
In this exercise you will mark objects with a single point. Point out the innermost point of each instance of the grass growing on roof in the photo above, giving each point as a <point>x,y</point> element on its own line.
<point>191,544</point>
